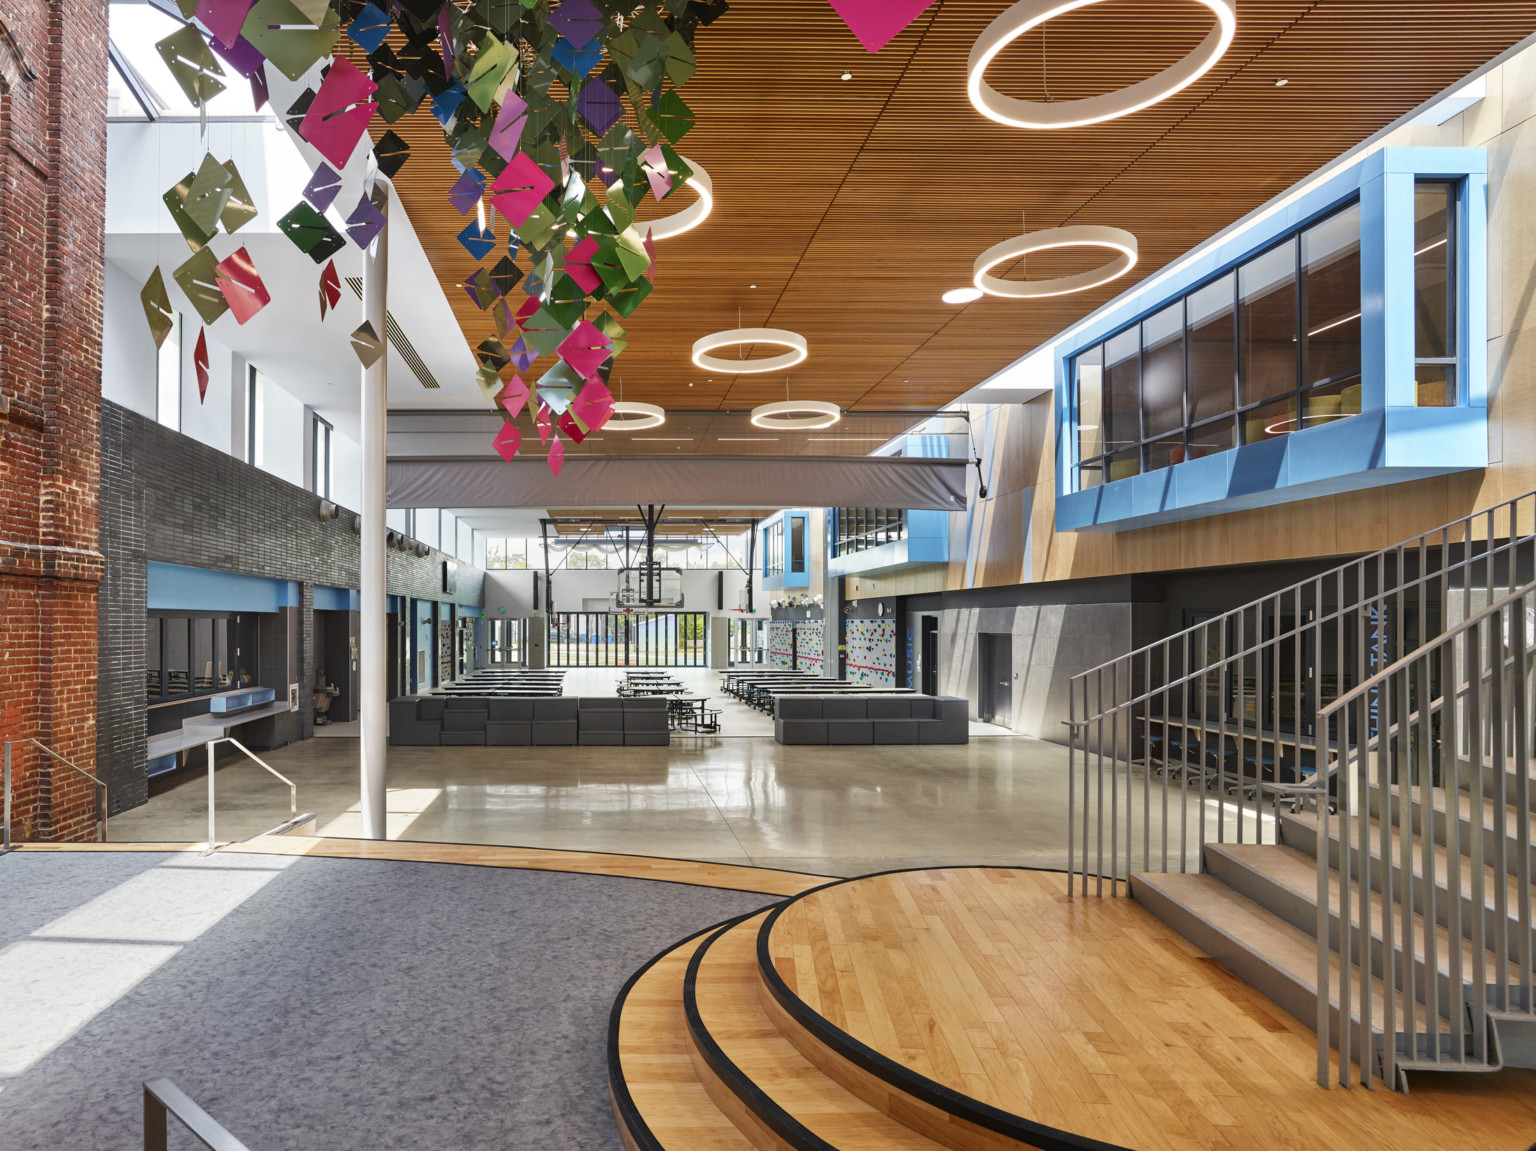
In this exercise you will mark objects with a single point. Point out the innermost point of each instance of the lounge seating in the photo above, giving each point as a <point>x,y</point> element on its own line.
<point>494,721</point>
<point>869,719</point>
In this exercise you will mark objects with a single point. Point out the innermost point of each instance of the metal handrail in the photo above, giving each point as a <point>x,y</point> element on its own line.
<point>293,791</point>
<point>162,1098</point>
<point>1264,667</point>
<point>1422,540</point>
<point>1444,746</point>
<point>101,798</point>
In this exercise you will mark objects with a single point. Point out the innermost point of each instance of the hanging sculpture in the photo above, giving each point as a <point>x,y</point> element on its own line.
<point>565,113</point>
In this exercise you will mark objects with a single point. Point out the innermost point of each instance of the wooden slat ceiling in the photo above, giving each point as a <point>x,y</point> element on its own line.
<point>852,205</point>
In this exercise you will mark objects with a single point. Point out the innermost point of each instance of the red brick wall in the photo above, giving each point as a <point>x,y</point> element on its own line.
<point>52,195</point>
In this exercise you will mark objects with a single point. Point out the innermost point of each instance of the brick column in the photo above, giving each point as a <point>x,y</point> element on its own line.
<point>52,195</point>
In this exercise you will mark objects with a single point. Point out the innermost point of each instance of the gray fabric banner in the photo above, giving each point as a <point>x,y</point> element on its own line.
<point>693,481</point>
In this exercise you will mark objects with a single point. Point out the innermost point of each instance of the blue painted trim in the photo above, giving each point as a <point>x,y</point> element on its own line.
<point>172,587</point>
<point>786,578</point>
<point>1392,440</point>
<point>337,599</point>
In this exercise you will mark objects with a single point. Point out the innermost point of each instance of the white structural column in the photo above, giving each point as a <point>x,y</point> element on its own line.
<point>374,577</point>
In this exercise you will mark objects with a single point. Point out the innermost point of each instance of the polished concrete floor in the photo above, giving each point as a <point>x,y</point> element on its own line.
<point>744,799</point>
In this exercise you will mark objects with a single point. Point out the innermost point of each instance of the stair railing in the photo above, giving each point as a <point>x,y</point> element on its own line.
<point>163,1098</point>
<point>101,790</point>
<point>1226,713</point>
<point>293,791</point>
<point>1449,721</point>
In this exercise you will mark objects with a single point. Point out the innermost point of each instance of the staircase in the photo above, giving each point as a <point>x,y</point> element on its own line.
<point>1330,791</point>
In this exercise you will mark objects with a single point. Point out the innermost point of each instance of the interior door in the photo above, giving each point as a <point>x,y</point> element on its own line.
<point>930,655</point>
<point>995,677</point>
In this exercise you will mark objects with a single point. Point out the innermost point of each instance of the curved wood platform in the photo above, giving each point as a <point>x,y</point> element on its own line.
<point>991,991</point>
<point>980,1008</point>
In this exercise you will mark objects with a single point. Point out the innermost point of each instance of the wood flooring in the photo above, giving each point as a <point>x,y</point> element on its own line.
<point>1091,1016</point>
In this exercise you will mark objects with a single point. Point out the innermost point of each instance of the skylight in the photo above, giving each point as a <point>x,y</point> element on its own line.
<point>134,29</point>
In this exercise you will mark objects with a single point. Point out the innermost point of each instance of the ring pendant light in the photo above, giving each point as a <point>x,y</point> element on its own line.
<point>629,416</point>
<point>1029,14</point>
<point>739,337</point>
<point>1075,236</point>
<point>665,227</point>
<point>796,415</point>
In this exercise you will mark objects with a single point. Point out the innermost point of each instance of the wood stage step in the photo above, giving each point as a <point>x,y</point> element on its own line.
<point>978,1008</point>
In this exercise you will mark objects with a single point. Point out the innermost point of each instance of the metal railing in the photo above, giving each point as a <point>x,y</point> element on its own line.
<point>1328,694</point>
<point>101,790</point>
<point>1232,704</point>
<point>163,1098</point>
<point>293,791</point>
<point>1432,741</point>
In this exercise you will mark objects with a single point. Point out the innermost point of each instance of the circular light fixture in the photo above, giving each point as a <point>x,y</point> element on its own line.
<point>796,415</point>
<point>1075,236</point>
<point>1030,14</point>
<point>799,350</point>
<point>962,295</point>
<point>629,416</point>
<point>847,76</point>
<point>665,227</point>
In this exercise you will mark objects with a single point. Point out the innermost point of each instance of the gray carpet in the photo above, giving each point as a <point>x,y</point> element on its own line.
<point>328,1003</point>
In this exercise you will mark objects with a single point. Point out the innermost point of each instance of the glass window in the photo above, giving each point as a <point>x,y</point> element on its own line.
<point>1267,324</point>
<point>1261,351</point>
<point>1090,404</point>
<point>168,377</point>
<point>320,460</point>
<point>255,412</point>
<point>1434,294</point>
<point>797,544</point>
<point>202,654</point>
<point>1213,349</point>
<point>1122,387</point>
<point>1330,259</point>
<point>176,655</point>
<point>1162,371</point>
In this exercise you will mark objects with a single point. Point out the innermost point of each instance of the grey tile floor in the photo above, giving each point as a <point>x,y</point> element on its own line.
<point>744,799</point>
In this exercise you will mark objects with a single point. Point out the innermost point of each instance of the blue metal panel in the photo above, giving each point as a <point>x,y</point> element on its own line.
<point>172,587</point>
<point>786,578</point>
<point>337,599</point>
<point>1391,440</point>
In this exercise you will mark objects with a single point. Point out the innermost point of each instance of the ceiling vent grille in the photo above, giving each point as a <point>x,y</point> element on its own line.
<point>400,342</point>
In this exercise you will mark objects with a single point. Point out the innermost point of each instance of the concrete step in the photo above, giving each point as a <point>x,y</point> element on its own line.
<point>1485,905</point>
<point>1284,882</point>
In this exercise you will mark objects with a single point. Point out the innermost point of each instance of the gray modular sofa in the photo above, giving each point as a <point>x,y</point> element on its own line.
<point>850,719</point>
<point>474,721</point>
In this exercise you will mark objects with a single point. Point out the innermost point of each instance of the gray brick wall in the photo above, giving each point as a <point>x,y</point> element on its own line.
<point>168,498</point>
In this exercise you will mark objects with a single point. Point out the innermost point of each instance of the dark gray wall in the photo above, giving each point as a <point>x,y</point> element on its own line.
<point>166,497</point>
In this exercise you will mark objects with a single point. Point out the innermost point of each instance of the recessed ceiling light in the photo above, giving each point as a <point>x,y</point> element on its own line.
<point>847,75</point>
<point>690,383</point>
<point>962,295</point>
<point>753,286</point>
<point>1281,83</point>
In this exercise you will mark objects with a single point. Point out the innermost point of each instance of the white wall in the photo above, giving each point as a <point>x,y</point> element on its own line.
<point>284,433</point>
<point>207,419</point>
<point>346,472</point>
<point>512,590</point>
<point>127,351</point>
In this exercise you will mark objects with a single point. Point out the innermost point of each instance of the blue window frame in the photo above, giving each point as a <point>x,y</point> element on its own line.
<point>1235,381</point>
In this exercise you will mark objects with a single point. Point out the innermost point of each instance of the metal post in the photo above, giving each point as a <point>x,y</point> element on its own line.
<point>7,844</point>
<point>211,841</point>
<point>373,568</point>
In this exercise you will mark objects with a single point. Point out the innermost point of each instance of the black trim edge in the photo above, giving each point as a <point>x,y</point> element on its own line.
<point>904,1079</point>
<point>623,1102</point>
<point>759,1102</point>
